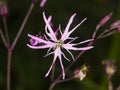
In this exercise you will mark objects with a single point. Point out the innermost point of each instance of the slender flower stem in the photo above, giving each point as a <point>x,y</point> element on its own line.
<point>52,86</point>
<point>59,81</point>
<point>110,85</point>
<point>118,88</point>
<point>96,30</point>
<point>108,34</point>
<point>10,49</point>
<point>103,33</point>
<point>23,25</point>
<point>3,39</point>
<point>6,30</point>
<point>9,69</point>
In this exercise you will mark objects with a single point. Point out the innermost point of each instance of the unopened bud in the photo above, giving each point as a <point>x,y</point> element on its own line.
<point>3,9</point>
<point>115,25</point>
<point>81,73</point>
<point>33,42</point>
<point>118,29</point>
<point>105,19</point>
<point>110,68</point>
<point>42,3</point>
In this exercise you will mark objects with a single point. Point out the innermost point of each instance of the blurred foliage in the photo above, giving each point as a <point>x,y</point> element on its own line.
<point>29,66</point>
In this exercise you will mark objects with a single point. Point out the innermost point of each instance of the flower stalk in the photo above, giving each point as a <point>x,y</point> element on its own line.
<point>9,47</point>
<point>23,25</point>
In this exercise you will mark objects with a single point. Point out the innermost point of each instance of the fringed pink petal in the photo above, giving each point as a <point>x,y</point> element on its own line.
<point>89,40</point>
<point>65,57</point>
<point>61,64</point>
<point>39,47</point>
<point>63,71</point>
<point>70,47</point>
<point>65,33</point>
<point>50,67</point>
<point>52,33</point>
<point>77,26</point>
<point>55,57</point>
<point>37,39</point>
<point>70,54</point>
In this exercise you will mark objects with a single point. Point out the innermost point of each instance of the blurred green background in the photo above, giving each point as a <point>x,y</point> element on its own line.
<point>29,66</point>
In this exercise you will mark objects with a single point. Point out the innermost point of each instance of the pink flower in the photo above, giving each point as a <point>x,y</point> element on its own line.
<point>56,45</point>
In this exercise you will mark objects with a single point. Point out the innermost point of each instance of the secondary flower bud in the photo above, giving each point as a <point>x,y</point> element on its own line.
<point>81,73</point>
<point>118,29</point>
<point>110,68</point>
<point>105,19</point>
<point>34,42</point>
<point>115,25</point>
<point>42,3</point>
<point>3,9</point>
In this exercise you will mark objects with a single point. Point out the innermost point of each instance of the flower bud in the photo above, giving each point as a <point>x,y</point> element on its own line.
<point>81,73</point>
<point>110,68</point>
<point>33,42</point>
<point>105,19</point>
<point>115,25</point>
<point>42,3</point>
<point>3,9</point>
<point>118,29</point>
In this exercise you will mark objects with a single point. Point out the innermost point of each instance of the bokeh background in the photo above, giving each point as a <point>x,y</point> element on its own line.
<point>29,66</point>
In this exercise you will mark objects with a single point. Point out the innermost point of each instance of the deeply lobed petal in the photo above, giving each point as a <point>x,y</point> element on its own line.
<point>67,27</point>
<point>40,47</point>
<point>51,32</point>
<point>57,53</point>
<point>67,32</point>
<point>71,47</point>
<point>39,40</point>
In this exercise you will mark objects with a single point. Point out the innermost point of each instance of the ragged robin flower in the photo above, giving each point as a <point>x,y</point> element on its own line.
<point>55,45</point>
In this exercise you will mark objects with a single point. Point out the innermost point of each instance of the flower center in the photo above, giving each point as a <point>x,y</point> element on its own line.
<point>59,43</point>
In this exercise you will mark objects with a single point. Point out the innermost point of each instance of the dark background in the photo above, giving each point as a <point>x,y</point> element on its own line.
<point>29,66</point>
